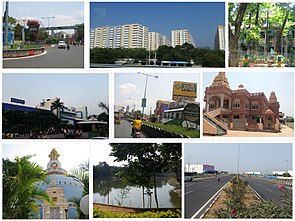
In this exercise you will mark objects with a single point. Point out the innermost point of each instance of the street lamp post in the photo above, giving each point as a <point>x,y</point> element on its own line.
<point>188,165</point>
<point>6,25</point>
<point>48,18</point>
<point>143,102</point>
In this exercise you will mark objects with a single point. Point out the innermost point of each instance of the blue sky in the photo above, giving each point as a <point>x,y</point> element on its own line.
<point>282,83</point>
<point>131,85</point>
<point>75,90</point>
<point>65,13</point>
<point>254,157</point>
<point>201,19</point>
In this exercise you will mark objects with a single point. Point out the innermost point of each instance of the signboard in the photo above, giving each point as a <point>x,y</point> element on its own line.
<point>187,89</point>
<point>143,102</point>
<point>16,100</point>
<point>191,113</point>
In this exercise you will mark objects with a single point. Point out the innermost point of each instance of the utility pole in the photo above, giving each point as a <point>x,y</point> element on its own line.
<point>6,25</point>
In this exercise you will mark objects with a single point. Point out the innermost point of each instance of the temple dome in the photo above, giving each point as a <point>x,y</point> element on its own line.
<point>221,80</point>
<point>268,112</point>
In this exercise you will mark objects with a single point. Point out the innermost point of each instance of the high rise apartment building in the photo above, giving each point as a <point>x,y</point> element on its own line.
<point>156,40</point>
<point>179,37</point>
<point>219,43</point>
<point>121,36</point>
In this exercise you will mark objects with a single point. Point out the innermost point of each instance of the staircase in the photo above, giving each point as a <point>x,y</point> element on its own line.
<point>212,125</point>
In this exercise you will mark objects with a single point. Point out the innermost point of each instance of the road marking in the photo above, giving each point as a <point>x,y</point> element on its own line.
<point>188,192</point>
<point>197,213</point>
<point>269,190</point>
<point>206,186</point>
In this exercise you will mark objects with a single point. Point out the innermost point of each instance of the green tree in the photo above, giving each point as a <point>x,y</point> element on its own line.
<point>18,32</point>
<point>20,191</point>
<point>80,31</point>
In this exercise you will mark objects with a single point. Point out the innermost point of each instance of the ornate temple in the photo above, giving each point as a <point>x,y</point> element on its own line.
<point>63,190</point>
<point>238,109</point>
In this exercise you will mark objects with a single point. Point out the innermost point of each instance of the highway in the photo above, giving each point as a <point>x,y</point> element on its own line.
<point>200,193</point>
<point>266,189</point>
<point>54,58</point>
<point>123,130</point>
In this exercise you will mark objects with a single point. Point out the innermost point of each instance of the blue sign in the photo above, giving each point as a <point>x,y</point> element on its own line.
<point>16,100</point>
<point>143,102</point>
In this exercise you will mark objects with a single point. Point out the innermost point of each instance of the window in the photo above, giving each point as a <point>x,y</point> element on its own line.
<point>247,105</point>
<point>236,116</point>
<point>236,103</point>
<point>254,105</point>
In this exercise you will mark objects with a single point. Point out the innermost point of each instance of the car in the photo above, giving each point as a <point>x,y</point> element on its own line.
<point>117,120</point>
<point>62,44</point>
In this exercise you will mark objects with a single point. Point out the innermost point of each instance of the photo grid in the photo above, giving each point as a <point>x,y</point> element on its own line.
<point>147,109</point>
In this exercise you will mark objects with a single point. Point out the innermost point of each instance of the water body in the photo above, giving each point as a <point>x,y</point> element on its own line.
<point>114,192</point>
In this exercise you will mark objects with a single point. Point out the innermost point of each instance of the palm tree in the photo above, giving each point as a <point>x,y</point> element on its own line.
<point>20,191</point>
<point>104,106</point>
<point>57,104</point>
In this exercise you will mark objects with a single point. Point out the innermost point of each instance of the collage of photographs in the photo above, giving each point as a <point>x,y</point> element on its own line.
<point>129,109</point>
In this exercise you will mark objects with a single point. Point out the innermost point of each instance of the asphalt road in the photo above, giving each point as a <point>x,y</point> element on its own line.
<point>54,58</point>
<point>123,130</point>
<point>199,192</point>
<point>266,189</point>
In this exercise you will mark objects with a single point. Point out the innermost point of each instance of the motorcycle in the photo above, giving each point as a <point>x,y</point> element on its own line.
<point>218,179</point>
<point>136,133</point>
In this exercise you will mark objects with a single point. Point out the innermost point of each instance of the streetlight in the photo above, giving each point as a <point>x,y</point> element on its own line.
<point>48,17</point>
<point>287,166</point>
<point>143,102</point>
<point>188,163</point>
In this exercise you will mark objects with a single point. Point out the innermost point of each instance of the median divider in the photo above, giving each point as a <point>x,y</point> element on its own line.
<point>155,132</point>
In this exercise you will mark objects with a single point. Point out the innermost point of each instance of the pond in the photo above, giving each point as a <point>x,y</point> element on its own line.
<point>114,192</point>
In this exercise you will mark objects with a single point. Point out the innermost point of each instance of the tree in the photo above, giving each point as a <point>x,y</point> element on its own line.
<point>80,31</point>
<point>20,191</point>
<point>104,106</point>
<point>57,105</point>
<point>234,34</point>
<point>144,161</point>
<point>18,32</point>
<point>34,26</point>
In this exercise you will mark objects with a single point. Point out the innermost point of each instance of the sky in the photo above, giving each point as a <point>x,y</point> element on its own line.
<point>253,157</point>
<point>282,83</point>
<point>200,18</point>
<point>64,13</point>
<point>71,153</point>
<point>74,90</point>
<point>101,153</point>
<point>129,88</point>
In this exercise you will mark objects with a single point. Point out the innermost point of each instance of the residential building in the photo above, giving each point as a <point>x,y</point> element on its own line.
<point>179,37</point>
<point>121,36</point>
<point>198,168</point>
<point>219,43</point>
<point>156,40</point>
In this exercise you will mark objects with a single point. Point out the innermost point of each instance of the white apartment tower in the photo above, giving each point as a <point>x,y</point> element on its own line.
<point>179,37</point>
<point>156,40</point>
<point>121,36</point>
<point>219,43</point>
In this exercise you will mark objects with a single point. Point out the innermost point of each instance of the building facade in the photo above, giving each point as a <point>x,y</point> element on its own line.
<point>198,168</point>
<point>239,109</point>
<point>66,114</point>
<point>62,189</point>
<point>156,40</point>
<point>121,36</point>
<point>179,37</point>
<point>219,43</point>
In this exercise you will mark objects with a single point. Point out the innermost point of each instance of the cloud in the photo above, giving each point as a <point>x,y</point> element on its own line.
<point>128,89</point>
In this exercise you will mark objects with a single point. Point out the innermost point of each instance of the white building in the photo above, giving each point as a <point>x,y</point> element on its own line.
<point>67,114</point>
<point>179,37</point>
<point>121,36</point>
<point>156,40</point>
<point>198,168</point>
<point>219,43</point>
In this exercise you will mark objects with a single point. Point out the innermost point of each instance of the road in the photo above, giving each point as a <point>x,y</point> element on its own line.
<point>266,189</point>
<point>200,193</point>
<point>123,130</point>
<point>54,58</point>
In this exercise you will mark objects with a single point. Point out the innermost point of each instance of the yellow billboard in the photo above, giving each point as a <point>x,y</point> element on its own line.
<point>186,89</point>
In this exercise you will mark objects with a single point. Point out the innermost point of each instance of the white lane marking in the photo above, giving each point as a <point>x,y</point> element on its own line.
<point>188,192</point>
<point>206,185</point>
<point>197,213</point>
<point>269,190</point>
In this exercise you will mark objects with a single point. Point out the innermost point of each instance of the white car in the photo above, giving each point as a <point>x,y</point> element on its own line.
<point>61,44</point>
